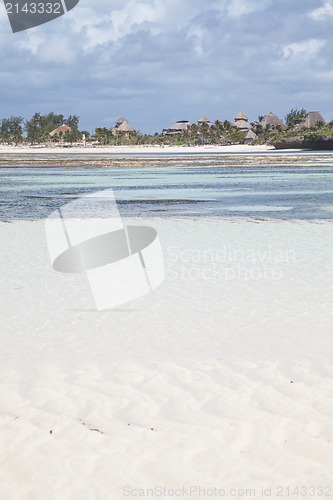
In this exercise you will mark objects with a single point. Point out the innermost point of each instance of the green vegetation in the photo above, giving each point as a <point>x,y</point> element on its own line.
<point>15,130</point>
<point>38,128</point>
<point>11,129</point>
<point>318,132</point>
<point>295,117</point>
<point>236,137</point>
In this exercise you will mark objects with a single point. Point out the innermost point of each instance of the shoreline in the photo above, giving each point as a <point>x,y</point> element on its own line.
<point>125,150</point>
<point>141,156</point>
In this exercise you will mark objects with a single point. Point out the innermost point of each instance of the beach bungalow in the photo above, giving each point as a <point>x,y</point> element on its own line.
<point>60,131</point>
<point>242,121</point>
<point>271,120</point>
<point>120,121</point>
<point>250,137</point>
<point>203,120</point>
<point>122,125</point>
<point>312,119</point>
<point>178,127</point>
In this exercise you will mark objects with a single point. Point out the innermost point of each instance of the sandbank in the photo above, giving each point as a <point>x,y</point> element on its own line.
<point>124,150</point>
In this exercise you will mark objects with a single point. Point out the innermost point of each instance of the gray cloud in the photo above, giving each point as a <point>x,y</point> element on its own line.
<point>156,61</point>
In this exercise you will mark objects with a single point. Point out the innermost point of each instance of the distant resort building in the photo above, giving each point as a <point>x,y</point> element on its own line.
<point>312,119</point>
<point>203,120</point>
<point>242,121</point>
<point>271,120</point>
<point>250,137</point>
<point>122,125</point>
<point>178,127</point>
<point>60,131</point>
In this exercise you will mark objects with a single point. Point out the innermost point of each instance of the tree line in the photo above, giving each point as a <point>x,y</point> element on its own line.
<point>218,132</point>
<point>36,130</point>
<point>194,134</point>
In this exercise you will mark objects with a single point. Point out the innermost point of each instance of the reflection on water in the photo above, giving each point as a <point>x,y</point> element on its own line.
<point>277,192</point>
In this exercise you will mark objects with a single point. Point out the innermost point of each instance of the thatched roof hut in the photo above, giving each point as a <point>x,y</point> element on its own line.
<point>203,120</point>
<point>60,130</point>
<point>312,118</point>
<point>241,116</point>
<point>122,125</point>
<point>121,120</point>
<point>178,127</point>
<point>250,137</point>
<point>242,124</point>
<point>125,127</point>
<point>271,120</point>
<point>242,121</point>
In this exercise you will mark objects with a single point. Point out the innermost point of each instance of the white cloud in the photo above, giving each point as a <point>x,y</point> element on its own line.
<point>322,13</point>
<point>238,8</point>
<point>197,34</point>
<point>305,49</point>
<point>108,22</point>
<point>114,57</point>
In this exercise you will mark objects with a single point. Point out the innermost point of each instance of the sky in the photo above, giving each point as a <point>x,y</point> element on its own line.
<point>158,61</point>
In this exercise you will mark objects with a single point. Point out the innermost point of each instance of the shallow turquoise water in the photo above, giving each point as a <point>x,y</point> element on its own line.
<point>284,192</point>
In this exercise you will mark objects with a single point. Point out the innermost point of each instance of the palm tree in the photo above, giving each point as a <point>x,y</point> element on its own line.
<point>194,129</point>
<point>204,129</point>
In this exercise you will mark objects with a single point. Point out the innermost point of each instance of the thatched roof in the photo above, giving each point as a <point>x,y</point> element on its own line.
<point>241,116</point>
<point>242,124</point>
<point>271,120</point>
<point>312,118</point>
<point>250,136</point>
<point>125,127</point>
<point>122,125</point>
<point>204,119</point>
<point>180,125</point>
<point>121,120</point>
<point>60,130</point>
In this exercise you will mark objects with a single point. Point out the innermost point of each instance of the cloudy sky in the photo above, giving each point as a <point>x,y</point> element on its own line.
<point>158,61</point>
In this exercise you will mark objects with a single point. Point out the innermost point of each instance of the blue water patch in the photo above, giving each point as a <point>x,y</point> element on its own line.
<point>270,192</point>
<point>258,208</point>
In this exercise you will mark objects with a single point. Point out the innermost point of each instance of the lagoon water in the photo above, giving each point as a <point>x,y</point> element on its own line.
<point>279,191</point>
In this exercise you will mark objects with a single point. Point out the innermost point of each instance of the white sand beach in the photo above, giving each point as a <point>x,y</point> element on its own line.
<point>219,379</point>
<point>242,148</point>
